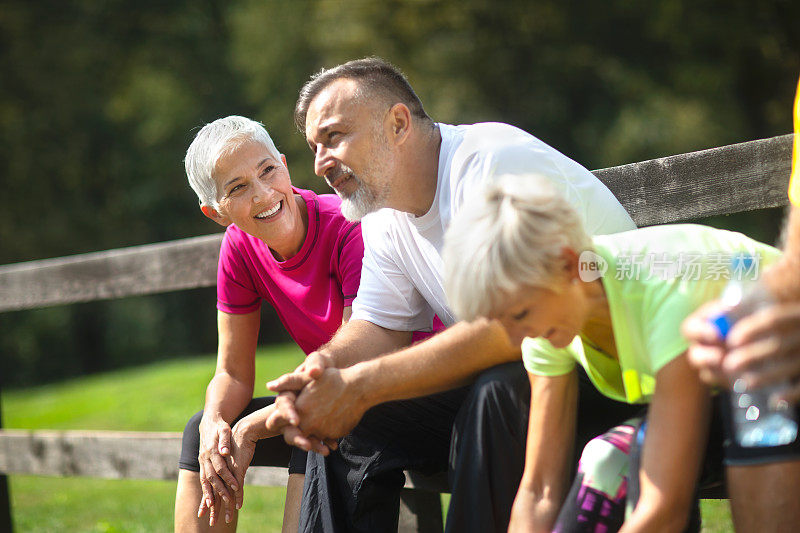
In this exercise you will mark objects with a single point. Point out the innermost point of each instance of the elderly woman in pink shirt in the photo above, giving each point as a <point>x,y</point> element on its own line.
<point>289,247</point>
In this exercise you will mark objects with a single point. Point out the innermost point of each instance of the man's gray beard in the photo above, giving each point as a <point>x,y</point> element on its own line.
<point>368,198</point>
<point>360,203</point>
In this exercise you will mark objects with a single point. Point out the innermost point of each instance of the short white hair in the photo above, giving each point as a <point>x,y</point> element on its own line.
<point>509,235</point>
<point>215,140</point>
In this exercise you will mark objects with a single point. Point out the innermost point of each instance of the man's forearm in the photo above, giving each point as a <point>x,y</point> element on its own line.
<point>359,340</point>
<point>445,361</point>
<point>784,277</point>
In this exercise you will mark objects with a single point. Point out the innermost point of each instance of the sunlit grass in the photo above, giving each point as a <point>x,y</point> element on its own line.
<point>45,504</point>
<point>155,397</point>
<point>716,516</point>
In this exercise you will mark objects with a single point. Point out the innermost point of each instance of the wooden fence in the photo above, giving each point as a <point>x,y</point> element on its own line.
<point>730,179</point>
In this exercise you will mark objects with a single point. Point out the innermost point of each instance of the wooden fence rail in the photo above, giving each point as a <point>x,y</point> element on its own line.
<point>123,455</point>
<point>755,175</point>
<point>730,179</point>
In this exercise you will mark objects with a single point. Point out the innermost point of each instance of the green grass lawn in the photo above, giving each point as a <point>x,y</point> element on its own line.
<point>156,397</point>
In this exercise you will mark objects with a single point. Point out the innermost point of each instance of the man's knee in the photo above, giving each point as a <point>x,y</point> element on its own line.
<point>497,406</point>
<point>502,387</point>
<point>764,497</point>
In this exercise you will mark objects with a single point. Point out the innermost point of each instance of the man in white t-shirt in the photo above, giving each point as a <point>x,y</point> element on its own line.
<point>406,176</point>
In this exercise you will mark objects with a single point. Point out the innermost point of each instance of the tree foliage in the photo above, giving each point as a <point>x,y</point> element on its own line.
<point>100,98</point>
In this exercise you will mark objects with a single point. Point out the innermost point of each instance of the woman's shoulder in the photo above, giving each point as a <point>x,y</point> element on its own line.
<point>323,205</point>
<point>236,241</point>
<point>325,209</point>
<point>233,235</point>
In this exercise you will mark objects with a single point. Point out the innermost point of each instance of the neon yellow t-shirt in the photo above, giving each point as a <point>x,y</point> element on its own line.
<point>794,181</point>
<point>655,277</point>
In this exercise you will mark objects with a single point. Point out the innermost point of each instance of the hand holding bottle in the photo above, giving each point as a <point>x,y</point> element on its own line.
<point>759,413</point>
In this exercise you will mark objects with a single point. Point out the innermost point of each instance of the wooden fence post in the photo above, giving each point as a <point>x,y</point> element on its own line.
<point>5,496</point>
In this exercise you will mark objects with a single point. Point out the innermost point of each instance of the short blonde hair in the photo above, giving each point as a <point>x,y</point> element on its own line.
<point>217,139</point>
<point>509,235</point>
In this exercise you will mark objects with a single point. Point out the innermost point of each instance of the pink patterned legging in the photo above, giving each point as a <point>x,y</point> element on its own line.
<point>601,491</point>
<point>606,486</point>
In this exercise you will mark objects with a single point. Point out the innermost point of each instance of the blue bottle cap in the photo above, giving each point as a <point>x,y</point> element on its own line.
<point>723,324</point>
<point>742,261</point>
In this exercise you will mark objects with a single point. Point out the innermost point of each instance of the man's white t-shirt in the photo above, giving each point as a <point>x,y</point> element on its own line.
<point>401,275</point>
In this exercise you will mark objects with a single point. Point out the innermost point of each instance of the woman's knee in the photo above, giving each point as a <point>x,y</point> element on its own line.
<point>604,462</point>
<point>193,425</point>
<point>190,444</point>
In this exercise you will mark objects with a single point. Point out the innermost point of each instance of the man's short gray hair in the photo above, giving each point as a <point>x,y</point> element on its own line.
<point>509,235</point>
<point>215,140</point>
<point>376,78</point>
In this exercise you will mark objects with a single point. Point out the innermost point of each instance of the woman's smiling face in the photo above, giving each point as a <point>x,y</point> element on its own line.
<point>254,192</point>
<point>556,314</point>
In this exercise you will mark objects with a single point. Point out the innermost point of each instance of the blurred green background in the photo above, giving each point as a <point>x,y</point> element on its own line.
<point>100,98</point>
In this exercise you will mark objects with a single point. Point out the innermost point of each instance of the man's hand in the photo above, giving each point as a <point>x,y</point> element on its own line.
<point>309,370</point>
<point>216,477</point>
<point>332,405</point>
<point>764,349</point>
<point>285,419</point>
<point>706,346</point>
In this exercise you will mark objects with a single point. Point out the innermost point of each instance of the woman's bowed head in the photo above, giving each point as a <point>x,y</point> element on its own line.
<point>525,265</point>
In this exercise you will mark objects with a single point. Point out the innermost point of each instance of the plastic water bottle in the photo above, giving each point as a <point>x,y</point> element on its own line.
<point>757,420</point>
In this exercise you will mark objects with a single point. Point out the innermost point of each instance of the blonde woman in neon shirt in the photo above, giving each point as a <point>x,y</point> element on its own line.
<point>519,254</point>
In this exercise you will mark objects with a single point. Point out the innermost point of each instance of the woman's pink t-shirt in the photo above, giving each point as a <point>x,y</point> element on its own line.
<point>310,290</point>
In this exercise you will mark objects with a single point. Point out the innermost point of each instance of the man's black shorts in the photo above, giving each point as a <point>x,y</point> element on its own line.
<point>736,455</point>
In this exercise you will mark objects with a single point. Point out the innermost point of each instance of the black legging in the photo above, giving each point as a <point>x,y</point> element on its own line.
<point>268,452</point>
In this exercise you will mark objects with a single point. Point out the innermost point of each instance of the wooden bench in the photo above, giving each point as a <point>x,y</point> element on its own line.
<point>731,179</point>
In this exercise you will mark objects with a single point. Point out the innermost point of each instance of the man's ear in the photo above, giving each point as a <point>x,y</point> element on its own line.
<point>214,215</point>
<point>399,123</point>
